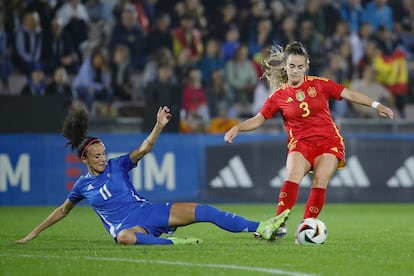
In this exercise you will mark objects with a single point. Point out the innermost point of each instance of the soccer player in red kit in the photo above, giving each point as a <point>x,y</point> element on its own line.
<point>314,141</point>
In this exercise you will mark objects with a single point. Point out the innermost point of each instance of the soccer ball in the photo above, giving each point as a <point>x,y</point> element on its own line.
<point>311,231</point>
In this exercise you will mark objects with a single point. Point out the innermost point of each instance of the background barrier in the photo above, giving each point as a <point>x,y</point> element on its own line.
<point>39,170</point>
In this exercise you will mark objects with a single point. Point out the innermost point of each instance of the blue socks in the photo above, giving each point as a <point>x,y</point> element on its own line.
<point>224,220</point>
<point>150,239</point>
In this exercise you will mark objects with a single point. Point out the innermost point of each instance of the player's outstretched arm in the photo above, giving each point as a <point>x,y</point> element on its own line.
<point>362,99</point>
<point>163,117</point>
<point>58,214</point>
<point>247,125</point>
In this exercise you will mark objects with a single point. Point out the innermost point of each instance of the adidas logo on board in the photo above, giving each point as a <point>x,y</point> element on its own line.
<point>234,175</point>
<point>352,175</point>
<point>404,176</point>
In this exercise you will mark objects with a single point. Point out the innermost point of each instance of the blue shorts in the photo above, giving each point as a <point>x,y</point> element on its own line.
<point>153,217</point>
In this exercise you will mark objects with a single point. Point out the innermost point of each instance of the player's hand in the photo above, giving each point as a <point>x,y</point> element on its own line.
<point>163,115</point>
<point>231,134</point>
<point>385,111</point>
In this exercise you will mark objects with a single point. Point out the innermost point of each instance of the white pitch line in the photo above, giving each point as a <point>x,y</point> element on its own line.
<point>162,262</point>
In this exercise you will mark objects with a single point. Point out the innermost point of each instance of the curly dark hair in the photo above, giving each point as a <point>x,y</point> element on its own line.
<point>75,128</point>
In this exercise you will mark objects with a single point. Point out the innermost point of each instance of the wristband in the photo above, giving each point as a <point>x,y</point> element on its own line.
<point>375,104</point>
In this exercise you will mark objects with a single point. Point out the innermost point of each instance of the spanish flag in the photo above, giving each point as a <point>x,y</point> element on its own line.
<point>392,72</point>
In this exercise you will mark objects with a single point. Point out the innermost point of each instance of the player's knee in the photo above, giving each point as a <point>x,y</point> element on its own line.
<point>126,238</point>
<point>295,175</point>
<point>320,182</point>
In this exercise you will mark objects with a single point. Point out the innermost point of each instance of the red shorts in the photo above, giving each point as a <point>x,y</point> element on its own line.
<point>313,147</point>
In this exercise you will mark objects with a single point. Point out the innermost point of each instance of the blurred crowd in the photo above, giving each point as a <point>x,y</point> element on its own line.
<point>202,57</point>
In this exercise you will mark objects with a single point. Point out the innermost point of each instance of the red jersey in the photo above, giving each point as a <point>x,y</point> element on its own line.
<point>305,109</point>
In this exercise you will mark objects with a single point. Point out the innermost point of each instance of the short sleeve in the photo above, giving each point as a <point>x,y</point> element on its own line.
<point>74,195</point>
<point>270,107</point>
<point>125,162</point>
<point>334,89</point>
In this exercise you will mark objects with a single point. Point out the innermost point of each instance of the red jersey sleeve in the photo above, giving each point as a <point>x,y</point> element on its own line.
<point>334,89</point>
<point>271,106</point>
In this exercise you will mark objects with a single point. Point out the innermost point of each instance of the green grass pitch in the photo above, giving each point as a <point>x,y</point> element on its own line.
<point>363,239</point>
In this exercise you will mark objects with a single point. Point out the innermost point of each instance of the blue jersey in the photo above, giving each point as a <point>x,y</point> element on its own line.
<point>111,194</point>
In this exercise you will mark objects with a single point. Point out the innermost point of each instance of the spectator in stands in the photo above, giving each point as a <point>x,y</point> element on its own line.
<point>231,43</point>
<point>186,36</point>
<point>261,93</point>
<point>224,110</point>
<point>163,90</point>
<point>296,6</point>
<point>331,16</point>
<point>227,19</point>
<point>337,70</point>
<point>196,114</point>
<point>75,19</point>
<point>314,13</point>
<point>36,84</point>
<point>257,60</point>
<point>93,81</point>
<point>387,40</point>
<point>183,65</point>
<point>177,11</point>
<point>373,89</point>
<point>100,10</point>
<point>359,42</point>
<point>278,13</point>
<point>128,32</point>
<point>121,74</point>
<point>260,37</point>
<point>211,60</point>
<point>160,36</point>
<point>46,11</point>
<point>144,17</point>
<point>256,12</point>
<point>341,35</point>
<point>371,51</point>
<point>404,22</point>
<point>28,43</point>
<point>378,13</point>
<point>60,50</point>
<point>403,12</point>
<point>241,76</point>
<point>288,32</point>
<point>162,55</point>
<point>392,71</point>
<point>60,86</point>
<point>6,66</point>
<point>221,98</point>
<point>352,12</point>
<point>312,41</point>
<point>196,9</point>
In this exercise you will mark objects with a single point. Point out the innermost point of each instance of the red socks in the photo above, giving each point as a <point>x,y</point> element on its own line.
<point>315,202</point>
<point>287,196</point>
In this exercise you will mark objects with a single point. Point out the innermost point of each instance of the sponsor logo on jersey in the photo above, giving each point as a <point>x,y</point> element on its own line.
<point>300,95</point>
<point>312,91</point>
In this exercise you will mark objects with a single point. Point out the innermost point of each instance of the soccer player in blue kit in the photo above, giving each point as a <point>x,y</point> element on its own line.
<point>127,216</point>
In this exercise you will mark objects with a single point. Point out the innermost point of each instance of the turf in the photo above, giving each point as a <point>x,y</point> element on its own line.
<point>363,239</point>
